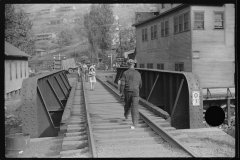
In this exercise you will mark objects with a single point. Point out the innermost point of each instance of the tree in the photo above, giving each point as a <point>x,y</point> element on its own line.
<point>17,29</point>
<point>79,27</point>
<point>97,25</point>
<point>128,39</point>
<point>65,37</point>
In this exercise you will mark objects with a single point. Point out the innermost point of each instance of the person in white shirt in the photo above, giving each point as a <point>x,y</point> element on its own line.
<point>92,75</point>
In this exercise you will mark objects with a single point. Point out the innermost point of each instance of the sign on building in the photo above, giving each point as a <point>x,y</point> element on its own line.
<point>120,59</point>
<point>196,98</point>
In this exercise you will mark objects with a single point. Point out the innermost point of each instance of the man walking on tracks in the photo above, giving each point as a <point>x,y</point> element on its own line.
<point>85,72</point>
<point>131,82</point>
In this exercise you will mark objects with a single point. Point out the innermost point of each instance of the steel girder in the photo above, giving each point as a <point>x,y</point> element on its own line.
<point>43,100</point>
<point>173,92</point>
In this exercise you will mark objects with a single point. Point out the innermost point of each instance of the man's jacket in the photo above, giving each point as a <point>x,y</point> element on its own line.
<point>131,81</point>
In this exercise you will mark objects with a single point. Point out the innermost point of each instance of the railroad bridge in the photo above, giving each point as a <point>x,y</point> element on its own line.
<point>52,104</point>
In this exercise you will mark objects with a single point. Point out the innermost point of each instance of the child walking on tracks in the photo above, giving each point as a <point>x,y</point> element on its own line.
<point>92,75</point>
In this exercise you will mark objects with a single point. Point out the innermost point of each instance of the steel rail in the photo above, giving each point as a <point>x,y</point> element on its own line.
<point>92,146</point>
<point>159,130</point>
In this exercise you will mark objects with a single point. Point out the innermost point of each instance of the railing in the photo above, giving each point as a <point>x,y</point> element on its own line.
<point>43,99</point>
<point>177,93</point>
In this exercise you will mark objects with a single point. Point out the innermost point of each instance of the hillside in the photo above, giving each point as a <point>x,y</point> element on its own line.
<point>41,21</point>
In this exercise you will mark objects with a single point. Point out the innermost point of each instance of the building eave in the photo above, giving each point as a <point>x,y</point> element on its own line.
<point>172,10</point>
<point>160,15</point>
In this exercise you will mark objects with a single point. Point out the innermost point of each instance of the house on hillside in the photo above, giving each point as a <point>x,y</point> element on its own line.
<point>16,69</point>
<point>188,37</point>
<point>40,52</point>
<point>47,11</point>
<point>45,36</point>
<point>66,8</point>
<point>57,21</point>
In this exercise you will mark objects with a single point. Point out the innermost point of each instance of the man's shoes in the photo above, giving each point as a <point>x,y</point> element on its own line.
<point>132,127</point>
<point>126,117</point>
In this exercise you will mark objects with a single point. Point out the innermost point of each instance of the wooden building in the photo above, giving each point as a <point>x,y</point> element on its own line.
<point>16,69</point>
<point>40,52</point>
<point>192,38</point>
<point>66,8</point>
<point>45,36</point>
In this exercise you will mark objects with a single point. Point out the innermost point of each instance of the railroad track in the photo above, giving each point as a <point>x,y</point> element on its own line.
<point>97,128</point>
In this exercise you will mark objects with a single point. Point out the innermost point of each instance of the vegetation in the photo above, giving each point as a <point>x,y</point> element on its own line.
<point>128,40</point>
<point>17,29</point>
<point>65,37</point>
<point>97,25</point>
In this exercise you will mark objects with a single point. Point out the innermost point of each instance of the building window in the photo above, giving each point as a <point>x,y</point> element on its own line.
<point>176,25</point>
<point>149,65</point>
<point>146,34</point>
<point>198,20</point>
<point>10,62</point>
<point>180,23</point>
<point>163,6</point>
<point>186,21</point>
<point>143,34</point>
<point>138,16</point>
<point>218,20</point>
<point>16,69</point>
<point>160,66</point>
<point>152,32</point>
<point>141,65</point>
<point>164,28</point>
<point>179,66</point>
<point>155,31</point>
<point>21,68</point>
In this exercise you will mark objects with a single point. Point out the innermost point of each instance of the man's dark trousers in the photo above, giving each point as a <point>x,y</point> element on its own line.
<point>131,103</point>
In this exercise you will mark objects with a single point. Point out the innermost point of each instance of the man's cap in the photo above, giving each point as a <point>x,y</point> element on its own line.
<point>131,61</point>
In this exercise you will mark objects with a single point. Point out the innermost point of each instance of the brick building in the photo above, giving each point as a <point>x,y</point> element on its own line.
<point>16,69</point>
<point>188,37</point>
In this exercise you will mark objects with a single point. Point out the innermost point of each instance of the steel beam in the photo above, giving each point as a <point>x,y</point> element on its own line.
<point>42,108</point>
<point>152,88</point>
<point>65,94</point>
<point>178,103</point>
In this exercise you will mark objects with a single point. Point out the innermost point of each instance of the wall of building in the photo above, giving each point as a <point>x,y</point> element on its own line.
<point>142,16</point>
<point>168,50</point>
<point>213,49</point>
<point>16,82</point>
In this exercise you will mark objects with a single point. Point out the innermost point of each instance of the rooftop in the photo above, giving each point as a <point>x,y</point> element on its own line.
<point>10,50</point>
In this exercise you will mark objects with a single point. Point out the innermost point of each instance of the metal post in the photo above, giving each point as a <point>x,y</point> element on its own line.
<point>228,112</point>
<point>152,87</point>
<point>111,60</point>
<point>179,91</point>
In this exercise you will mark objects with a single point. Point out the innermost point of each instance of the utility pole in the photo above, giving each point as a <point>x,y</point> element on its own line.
<point>59,60</point>
<point>120,38</point>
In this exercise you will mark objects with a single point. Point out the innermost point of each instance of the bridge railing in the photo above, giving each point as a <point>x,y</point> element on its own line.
<point>177,93</point>
<point>43,99</point>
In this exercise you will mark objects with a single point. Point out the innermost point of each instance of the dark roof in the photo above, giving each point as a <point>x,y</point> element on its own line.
<point>158,16</point>
<point>173,10</point>
<point>10,50</point>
